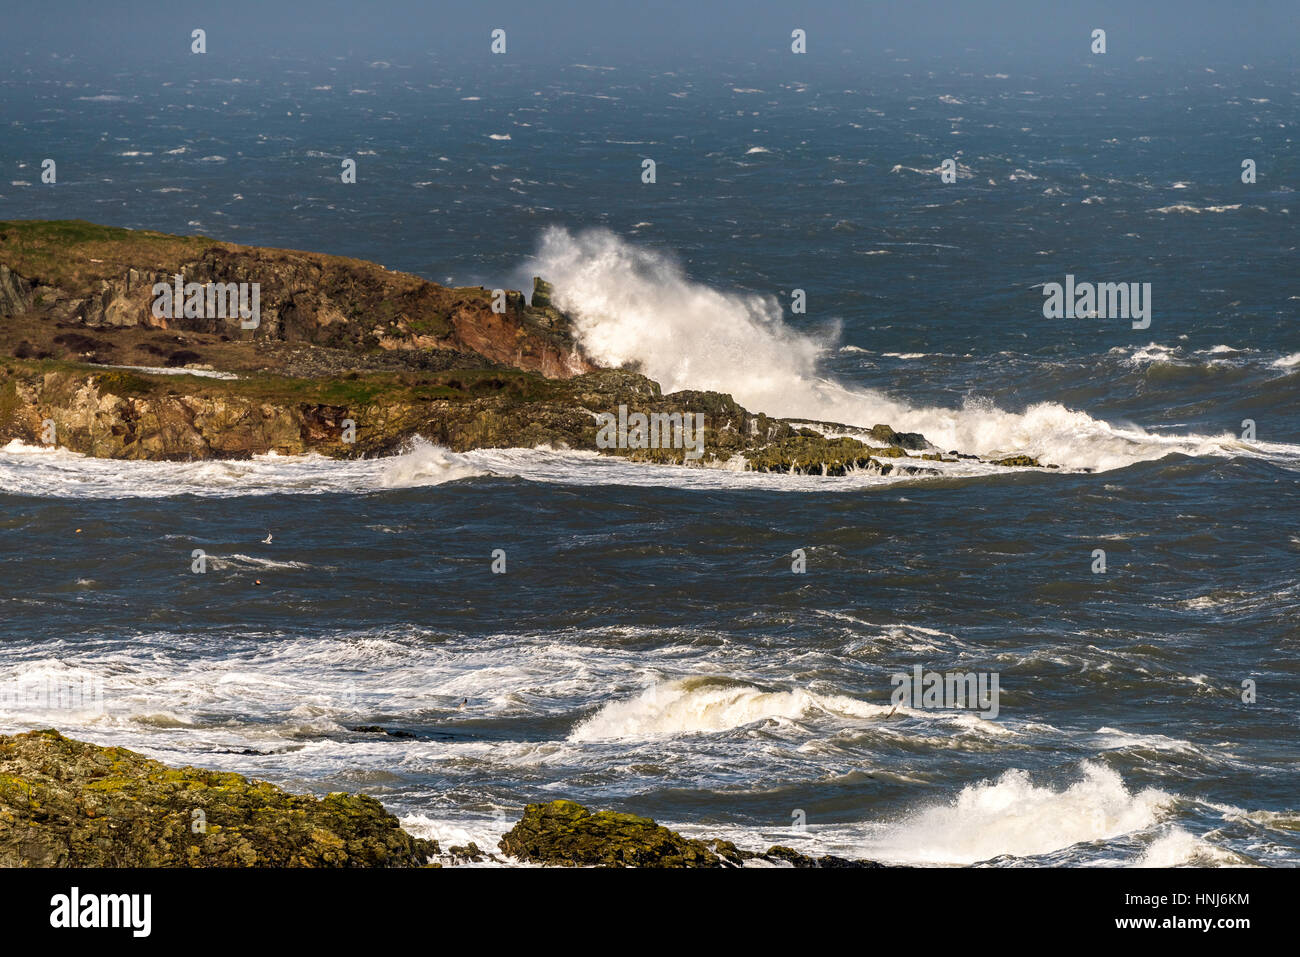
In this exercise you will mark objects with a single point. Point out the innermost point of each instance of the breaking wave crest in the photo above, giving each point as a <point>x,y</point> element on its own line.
<point>636,305</point>
<point>1014,816</point>
<point>704,705</point>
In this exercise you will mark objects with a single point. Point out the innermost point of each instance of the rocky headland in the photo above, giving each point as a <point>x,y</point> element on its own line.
<point>346,359</point>
<point>66,803</point>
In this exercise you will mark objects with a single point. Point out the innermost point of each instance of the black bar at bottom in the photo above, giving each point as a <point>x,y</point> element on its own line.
<point>487,907</point>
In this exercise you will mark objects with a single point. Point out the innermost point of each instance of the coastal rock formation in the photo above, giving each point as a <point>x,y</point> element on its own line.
<point>103,278</point>
<point>348,359</point>
<point>809,453</point>
<point>566,834</point>
<point>64,803</point>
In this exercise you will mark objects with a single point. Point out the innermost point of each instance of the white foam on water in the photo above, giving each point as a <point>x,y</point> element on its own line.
<point>425,464</point>
<point>1014,816</point>
<point>635,305</point>
<point>1152,352</point>
<point>57,473</point>
<point>1180,848</point>
<point>53,472</point>
<point>461,831</point>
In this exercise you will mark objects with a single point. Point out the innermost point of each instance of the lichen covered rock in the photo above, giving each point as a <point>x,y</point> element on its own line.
<point>810,453</point>
<point>566,834</point>
<point>65,803</point>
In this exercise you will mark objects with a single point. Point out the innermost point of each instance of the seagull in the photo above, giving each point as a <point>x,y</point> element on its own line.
<point>267,540</point>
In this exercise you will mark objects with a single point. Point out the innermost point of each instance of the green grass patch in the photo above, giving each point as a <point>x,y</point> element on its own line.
<point>61,252</point>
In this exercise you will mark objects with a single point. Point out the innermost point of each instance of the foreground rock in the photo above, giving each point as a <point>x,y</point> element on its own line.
<point>64,803</point>
<point>569,835</point>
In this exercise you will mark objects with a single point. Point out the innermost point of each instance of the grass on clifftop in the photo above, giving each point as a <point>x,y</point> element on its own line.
<point>61,252</point>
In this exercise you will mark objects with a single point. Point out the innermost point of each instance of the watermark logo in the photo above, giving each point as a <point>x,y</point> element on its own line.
<point>954,690</point>
<point>209,300</point>
<point>132,911</point>
<point>1107,300</point>
<point>658,430</point>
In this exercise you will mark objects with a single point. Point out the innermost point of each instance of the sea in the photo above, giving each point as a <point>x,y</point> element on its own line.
<point>716,649</point>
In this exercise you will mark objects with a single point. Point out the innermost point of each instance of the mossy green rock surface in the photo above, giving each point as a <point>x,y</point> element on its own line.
<point>65,803</point>
<point>810,453</point>
<point>568,835</point>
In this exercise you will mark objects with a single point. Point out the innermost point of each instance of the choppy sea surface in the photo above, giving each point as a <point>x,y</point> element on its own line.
<point>649,647</point>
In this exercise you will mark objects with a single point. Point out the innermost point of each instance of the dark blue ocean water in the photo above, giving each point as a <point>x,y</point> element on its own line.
<point>649,647</point>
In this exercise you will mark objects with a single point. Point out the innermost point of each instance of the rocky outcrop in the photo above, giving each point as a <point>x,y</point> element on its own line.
<point>348,359</point>
<point>64,803</point>
<point>566,834</point>
<point>810,453</point>
<point>15,293</point>
<point>128,414</point>
<point>101,277</point>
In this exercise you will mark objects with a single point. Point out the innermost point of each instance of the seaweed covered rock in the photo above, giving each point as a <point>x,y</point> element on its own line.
<point>789,855</point>
<point>912,441</point>
<point>810,453</point>
<point>566,834</point>
<point>65,803</point>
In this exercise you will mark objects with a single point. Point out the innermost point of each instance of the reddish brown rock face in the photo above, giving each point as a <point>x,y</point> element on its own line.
<point>515,340</point>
